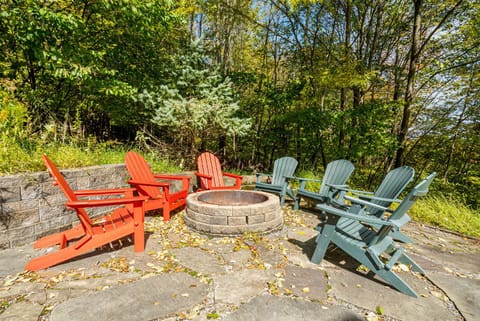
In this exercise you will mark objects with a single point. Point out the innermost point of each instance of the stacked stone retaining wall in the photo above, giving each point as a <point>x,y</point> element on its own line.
<point>31,206</point>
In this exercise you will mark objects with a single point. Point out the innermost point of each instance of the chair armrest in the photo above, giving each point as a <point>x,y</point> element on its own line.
<point>238,179</point>
<point>307,179</point>
<point>337,204</point>
<point>344,188</point>
<point>366,203</point>
<point>203,175</point>
<point>105,202</point>
<point>185,182</point>
<point>158,184</point>
<point>365,195</point>
<point>372,220</point>
<point>173,177</point>
<point>303,181</point>
<point>391,200</point>
<point>98,192</point>
<point>233,175</point>
<point>360,192</point>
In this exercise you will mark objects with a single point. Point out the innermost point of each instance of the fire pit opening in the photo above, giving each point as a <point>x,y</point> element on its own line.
<point>233,212</point>
<point>233,198</point>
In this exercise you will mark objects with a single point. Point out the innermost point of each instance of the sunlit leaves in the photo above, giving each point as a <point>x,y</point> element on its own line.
<point>68,55</point>
<point>199,103</point>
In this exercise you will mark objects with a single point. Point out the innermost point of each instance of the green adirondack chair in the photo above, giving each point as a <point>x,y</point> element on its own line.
<point>387,193</point>
<point>336,175</point>
<point>354,235</point>
<point>283,169</point>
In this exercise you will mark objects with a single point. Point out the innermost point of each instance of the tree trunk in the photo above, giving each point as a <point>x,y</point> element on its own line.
<point>343,98</point>
<point>409,92</point>
<point>416,50</point>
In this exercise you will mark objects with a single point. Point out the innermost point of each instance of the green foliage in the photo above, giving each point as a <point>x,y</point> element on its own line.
<point>448,213</point>
<point>13,118</point>
<point>312,185</point>
<point>21,150</point>
<point>379,310</point>
<point>199,104</point>
<point>15,143</point>
<point>92,56</point>
<point>213,315</point>
<point>464,189</point>
<point>17,159</point>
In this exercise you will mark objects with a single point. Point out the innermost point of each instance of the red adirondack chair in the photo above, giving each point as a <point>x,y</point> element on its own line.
<point>211,176</point>
<point>156,187</point>
<point>91,233</point>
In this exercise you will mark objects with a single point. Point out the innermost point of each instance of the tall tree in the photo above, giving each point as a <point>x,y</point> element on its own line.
<point>416,50</point>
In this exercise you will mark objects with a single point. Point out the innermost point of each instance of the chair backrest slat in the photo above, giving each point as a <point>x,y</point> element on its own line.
<point>282,167</point>
<point>67,190</point>
<point>140,171</point>
<point>419,190</point>
<point>209,164</point>
<point>391,186</point>
<point>336,173</point>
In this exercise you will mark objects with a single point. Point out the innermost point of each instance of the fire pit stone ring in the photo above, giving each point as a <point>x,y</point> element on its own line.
<point>233,212</point>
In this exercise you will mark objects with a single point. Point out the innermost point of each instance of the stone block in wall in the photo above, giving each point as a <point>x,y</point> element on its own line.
<point>5,245</point>
<point>30,186</point>
<point>101,177</point>
<point>9,189</point>
<point>18,213</point>
<point>70,219</point>
<point>22,241</point>
<point>82,182</point>
<point>52,210</point>
<point>16,233</point>
<point>48,188</point>
<point>47,226</point>
<point>237,220</point>
<point>22,205</point>
<point>72,177</point>
<point>19,218</point>
<point>256,219</point>
<point>98,181</point>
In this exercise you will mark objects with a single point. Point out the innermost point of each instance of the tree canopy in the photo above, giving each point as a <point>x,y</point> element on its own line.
<point>382,83</point>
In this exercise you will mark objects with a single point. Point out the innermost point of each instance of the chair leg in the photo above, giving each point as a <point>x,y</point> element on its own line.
<point>323,241</point>
<point>291,194</point>
<point>405,259</point>
<point>399,236</point>
<point>57,257</point>
<point>59,238</point>
<point>388,275</point>
<point>394,280</point>
<point>166,212</point>
<point>296,205</point>
<point>139,239</point>
<point>138,226</point>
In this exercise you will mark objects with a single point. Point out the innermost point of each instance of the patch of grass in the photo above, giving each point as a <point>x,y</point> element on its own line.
<point>447,212</point>
<point>16,159</point>
<point>213,315</point>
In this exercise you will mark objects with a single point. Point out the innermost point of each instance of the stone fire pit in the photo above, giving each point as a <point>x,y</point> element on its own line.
<point>233,212</point>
